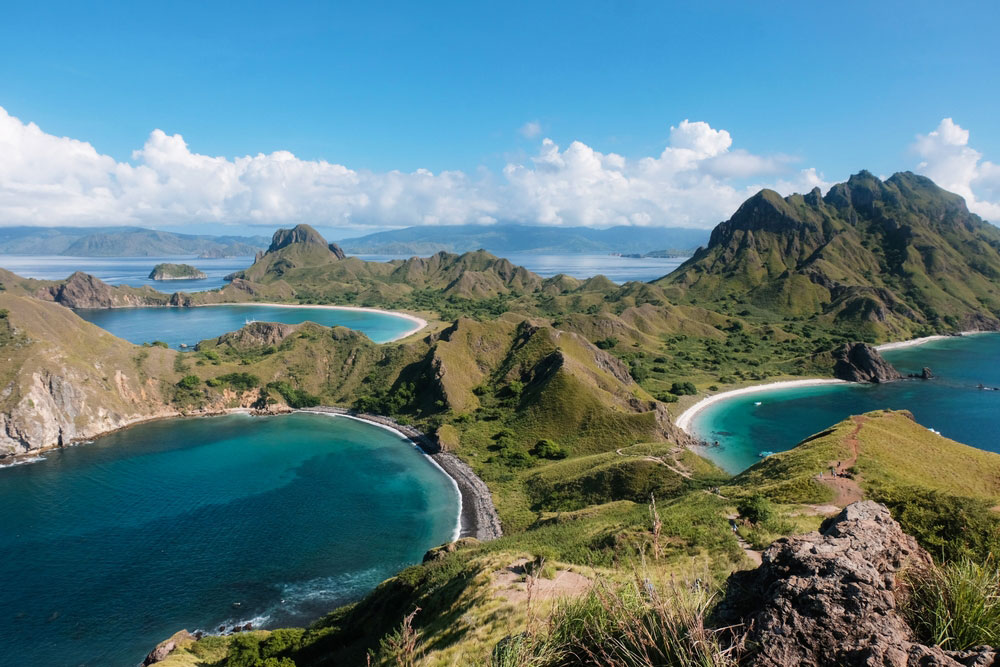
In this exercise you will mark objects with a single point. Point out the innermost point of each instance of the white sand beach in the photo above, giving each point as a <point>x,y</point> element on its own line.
<point>419,323</point>
<point>685,418</point>
<point>920,341</point>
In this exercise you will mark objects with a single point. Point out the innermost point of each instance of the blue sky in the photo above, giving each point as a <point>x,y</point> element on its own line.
<point>475,87</point>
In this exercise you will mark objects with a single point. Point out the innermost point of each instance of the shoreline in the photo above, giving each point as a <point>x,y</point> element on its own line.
<point>477,516</point>
<point>684,420</point>
<point>913,342</point>
<point>419,322</point>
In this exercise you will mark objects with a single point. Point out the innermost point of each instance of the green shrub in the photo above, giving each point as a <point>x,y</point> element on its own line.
<point>296,398</point>
<point>189,382</point>
<point>956,606</point>
<point>606,343</point>
<point>549,449</point>
<point>949,527</point>
<point>683,389</point>
<point>756,509</point>
<point>238,381</point>
<point>244,651</point>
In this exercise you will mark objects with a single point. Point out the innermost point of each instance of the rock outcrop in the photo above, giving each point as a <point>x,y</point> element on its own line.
<point>82,290</point>
<point>336,250</point>
<point>164,648</point>
<point>860,362</point>
<point>257,334</point>
<point>830,599</point>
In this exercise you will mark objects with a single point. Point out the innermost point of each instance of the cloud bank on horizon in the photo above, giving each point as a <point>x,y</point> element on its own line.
<point>698,180</point>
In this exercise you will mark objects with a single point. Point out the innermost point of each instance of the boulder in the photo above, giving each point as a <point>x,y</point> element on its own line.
<point>860,362</point>
<point>163,649</point>
<point>830,598</point>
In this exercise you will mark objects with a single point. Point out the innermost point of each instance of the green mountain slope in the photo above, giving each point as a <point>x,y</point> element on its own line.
<point>888,257</point>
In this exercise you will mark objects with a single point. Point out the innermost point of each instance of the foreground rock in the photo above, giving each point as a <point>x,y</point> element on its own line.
<point>860,362</point>
<point>830,598</point>
<point>163,649</point>
<point>176,272</point>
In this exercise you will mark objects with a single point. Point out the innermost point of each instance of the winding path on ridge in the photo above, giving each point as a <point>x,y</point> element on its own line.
<point>845,489</point>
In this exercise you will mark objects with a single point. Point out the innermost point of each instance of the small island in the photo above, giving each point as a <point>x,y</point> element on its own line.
<point>176,272</point>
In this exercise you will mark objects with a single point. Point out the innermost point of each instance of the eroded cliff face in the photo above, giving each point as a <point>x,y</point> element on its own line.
<point>56,409</point>
<point>63,380</point>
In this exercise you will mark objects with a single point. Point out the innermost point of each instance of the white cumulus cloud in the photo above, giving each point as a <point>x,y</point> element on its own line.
<point>948,160</point>
<point>697,180</point>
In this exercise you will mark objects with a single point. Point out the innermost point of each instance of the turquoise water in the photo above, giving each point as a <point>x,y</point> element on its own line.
<point>110,547</point>
<point>950,403</point>
<point>191,325</point>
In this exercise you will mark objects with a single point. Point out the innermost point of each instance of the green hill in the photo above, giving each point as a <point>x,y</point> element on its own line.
<point>890,258</point>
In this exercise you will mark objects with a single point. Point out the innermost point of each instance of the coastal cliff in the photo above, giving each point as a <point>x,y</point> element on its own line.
<point>860,362</point>
<point>66,380</point>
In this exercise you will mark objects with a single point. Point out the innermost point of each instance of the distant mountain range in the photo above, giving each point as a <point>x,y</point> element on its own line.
<point>123,242</point>
<point>513,238</point>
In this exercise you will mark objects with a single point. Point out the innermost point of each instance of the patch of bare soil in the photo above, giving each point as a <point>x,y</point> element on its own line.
<point>512,583</point>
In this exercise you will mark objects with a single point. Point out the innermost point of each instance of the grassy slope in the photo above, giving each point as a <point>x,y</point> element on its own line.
<point>894,451</point>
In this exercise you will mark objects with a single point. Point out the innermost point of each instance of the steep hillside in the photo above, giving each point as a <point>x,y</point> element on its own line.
<point>889,258</point>
<point>65,379</point>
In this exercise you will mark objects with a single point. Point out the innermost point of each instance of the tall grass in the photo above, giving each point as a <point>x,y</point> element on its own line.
<point>956,605</point>
<point>634,625</point>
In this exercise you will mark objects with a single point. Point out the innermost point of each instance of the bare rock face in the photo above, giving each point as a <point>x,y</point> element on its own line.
<point>860,362</point>
<point>298,234</point>
<point>336,250</point>
<point>163,649</point>
<point>82,290</point>
<point>257,334</point>
<point>828,599</point>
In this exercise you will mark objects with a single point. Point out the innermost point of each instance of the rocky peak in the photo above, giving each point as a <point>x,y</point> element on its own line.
<point>298,234</point>
<point>830,598</point>
<point>860,362</point>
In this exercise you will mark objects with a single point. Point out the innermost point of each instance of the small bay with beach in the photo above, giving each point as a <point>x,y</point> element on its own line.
<point>776,419</point>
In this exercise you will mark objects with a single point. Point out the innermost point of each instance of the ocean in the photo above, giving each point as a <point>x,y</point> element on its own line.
<point>950,403</point>
<point>112,546</point>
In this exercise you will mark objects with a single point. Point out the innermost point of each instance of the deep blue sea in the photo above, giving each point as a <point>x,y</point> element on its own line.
<point>135,270</point>
<point>125,270</point>
<point>110,547</point>
<point>191,325</point>
<point>950,403</point>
